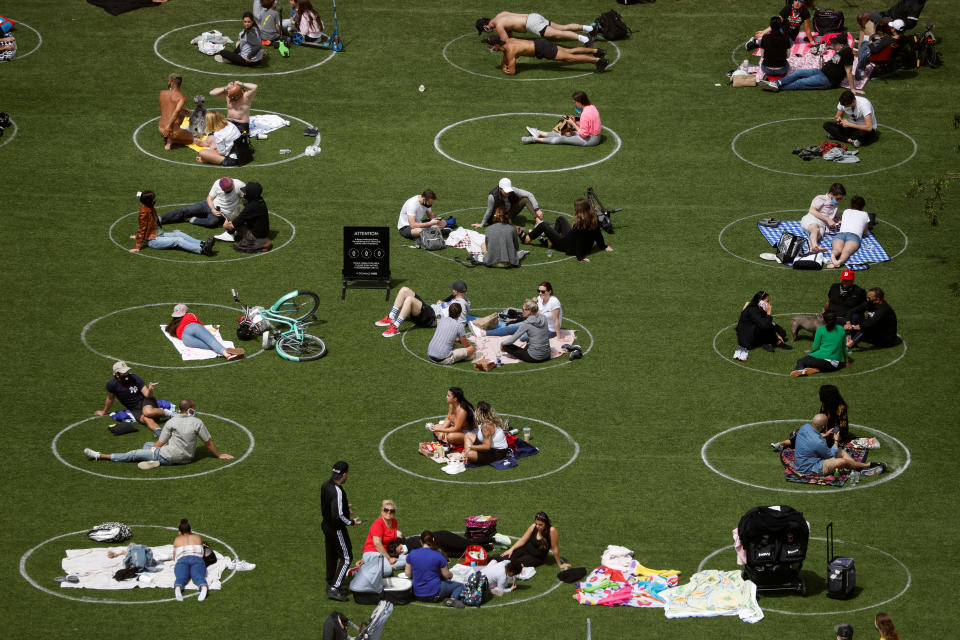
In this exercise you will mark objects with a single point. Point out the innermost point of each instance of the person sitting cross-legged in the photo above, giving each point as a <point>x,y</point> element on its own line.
<point>442,348</point>
<point>432,580</point>
<point>875,322</point>
<point>814,457</point>
<point>829,351</point>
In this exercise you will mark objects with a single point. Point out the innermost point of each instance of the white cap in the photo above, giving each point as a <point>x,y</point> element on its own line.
<point>179,311</point>
<point>898,25</point>
<point>506,185</point>
<point>120,367</point>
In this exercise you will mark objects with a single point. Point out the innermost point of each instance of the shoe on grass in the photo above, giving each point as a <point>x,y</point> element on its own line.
<point>146,465</point>
<point>768,85</point>
<point>90,453</point>
<point>798,372</point>
<point>391,331</point>
<point>601,65</point>
<point>576,354</point>
<point>876,468</point>
<point>243,565</point>
<point>475,330</point>
<point>776,446</point>
<point>334,594</point>
<point>218,58</point>
<point>454,603</point>
<point>768,347</point>
<point>784,345</point>
<point>203,594</point>
<point>385,321</point>
<point>534,132</point>
<point>178,594</point>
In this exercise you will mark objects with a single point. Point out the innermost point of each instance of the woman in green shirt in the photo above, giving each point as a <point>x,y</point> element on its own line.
<point>829,351</point>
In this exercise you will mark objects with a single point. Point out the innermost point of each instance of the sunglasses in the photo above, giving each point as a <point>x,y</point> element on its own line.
<point>389,510</point>
<point>541,290</point>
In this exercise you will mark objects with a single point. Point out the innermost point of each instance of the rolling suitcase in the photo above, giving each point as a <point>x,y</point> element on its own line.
<point>841,573</point>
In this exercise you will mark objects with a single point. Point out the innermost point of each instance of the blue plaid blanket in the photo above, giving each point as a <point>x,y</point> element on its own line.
<point>870,249</point>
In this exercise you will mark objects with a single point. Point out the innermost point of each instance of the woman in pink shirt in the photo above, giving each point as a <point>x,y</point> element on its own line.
<point>585,127</point>
<point>187,327</point>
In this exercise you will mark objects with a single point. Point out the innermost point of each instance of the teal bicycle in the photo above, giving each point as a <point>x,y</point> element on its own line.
<point>282,325</point>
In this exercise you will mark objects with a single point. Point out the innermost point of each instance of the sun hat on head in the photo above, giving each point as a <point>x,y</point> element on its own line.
<point>226,183</point>
<point>506,185</point>
<point>179,311</point>
<point>120,367</point>
<point>847,274</point>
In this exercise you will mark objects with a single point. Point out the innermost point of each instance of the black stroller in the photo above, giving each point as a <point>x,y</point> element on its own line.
<point>335,626</point>
<point>775,540</point>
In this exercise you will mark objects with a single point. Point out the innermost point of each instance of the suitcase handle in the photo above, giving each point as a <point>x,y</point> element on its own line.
<point>830,556</point>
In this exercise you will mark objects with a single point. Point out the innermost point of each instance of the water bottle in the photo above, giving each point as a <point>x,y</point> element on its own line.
<point>549,253</point>
<point>499,363</point>
<point>473,566</point>
<point>284,152</point>
<point>854,478</point>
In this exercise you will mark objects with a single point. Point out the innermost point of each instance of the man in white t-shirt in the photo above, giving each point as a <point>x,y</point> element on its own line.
<point>854,223</point>
<point>501,575</point>
<point>860,127</point>
<point>411,222</point>
<point>223,203</point>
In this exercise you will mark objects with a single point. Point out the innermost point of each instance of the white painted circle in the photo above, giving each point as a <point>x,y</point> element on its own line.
<point>149,254</point>
<point>39,41</point>
<point>514,78</point>
<point>291,158</point>
<point>885,477</point>
<point>60,594</point>
<point>53,447</point>
<point>777,265</point>
<point>436,145</point>
<point>7,137</point>
<point>436,254</point>
<point>236,71</point>
<point>830,613</point>
<point>535,369</point>
<point>576,452</point>
<point>842,373</point>
<point>86,327</point>
<point>733,147</point>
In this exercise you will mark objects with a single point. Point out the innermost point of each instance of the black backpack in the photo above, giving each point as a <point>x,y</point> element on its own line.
<point>243,148</point>
<point>827,21</point>
<point>789,247</point>
<point>611,25</point>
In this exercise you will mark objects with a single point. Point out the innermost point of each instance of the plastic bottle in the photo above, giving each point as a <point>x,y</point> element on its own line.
<point>526,431</point>
<point>473,565</point>
<point>284,152</point>
<point>854,478</point>
<point>549,253</point>
<point>499,363</point>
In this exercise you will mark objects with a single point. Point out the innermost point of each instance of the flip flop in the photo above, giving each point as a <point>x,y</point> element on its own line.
<point>70,579</point>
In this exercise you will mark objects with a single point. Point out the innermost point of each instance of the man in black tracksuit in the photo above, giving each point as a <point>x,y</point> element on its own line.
<point>336,519</point>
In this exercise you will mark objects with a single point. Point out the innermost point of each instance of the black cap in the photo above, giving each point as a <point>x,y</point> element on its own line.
<point>459,286</point>
<point>844,631</point>
<point>340,468</point>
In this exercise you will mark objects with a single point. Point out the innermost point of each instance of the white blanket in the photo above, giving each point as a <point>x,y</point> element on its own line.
<point>96,570</point>
<point>192,353</point>
<point>262,124</point>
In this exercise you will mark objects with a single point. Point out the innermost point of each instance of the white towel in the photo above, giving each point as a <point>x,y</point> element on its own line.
<point>266,123</point>
<point>192,353</point>
<point>96,570</point>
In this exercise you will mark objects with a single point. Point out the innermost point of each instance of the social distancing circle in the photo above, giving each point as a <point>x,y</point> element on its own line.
<point>292,138</point>
<point>782,362</point>
<point>423,335</point>
<point>725,449</point>
<point>19,55</point>
<point>474,57</point>
<point>9,133</point>
<point>889,149</point>
<point>119,238</point>
<point>553,442</point>
<point>742,233</point>
<point>156,345</point>
<point>879,572</point>
<point>70,441</point>
<point>484,139</point>
<point>301,58</point>
<point>51,566</point>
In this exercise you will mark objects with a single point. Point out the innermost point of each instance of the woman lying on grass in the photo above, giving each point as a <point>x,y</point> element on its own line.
<point>188,328</point>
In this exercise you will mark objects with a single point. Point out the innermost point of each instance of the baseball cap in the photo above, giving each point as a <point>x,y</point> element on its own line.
<point>898,25</point>
<point>179,311</point>
<point>847,274</point>
<point>120,367</point>
<point>506,185</point>
<point>226,183</point>
<point>459,285</point>
<point>340,468</point>
<point>844,631</point>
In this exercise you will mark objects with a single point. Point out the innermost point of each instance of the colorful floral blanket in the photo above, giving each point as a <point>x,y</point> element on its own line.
<point>637,586</point>
<point>838,479</point>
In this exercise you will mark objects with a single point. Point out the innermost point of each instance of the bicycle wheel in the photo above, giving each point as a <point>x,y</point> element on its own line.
<point>300,307</point>
<point>308,348</point>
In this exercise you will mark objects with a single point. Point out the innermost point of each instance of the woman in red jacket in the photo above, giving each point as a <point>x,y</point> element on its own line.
<point>187,327</point>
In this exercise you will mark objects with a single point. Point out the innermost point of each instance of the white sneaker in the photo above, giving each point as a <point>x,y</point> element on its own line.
<point>776,446</point>
<point>203,594</point>
<point>146,465</point>
<point>534,132</point>
<point>218,58</point>
<point>477,331</point>
<point>90,453</point>
<point>243,565</point>
<point>178,594</point>
<point>170,413</point>
<point>226,236</point>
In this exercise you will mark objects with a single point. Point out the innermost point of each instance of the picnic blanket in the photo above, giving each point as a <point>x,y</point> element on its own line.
<point>521,449</point>
<point>192,353</point>
<point>262,124</point>
<point>801,56</point>
<point>634,586</point>
<point>489,346</point>
<point>870,248</point>
<point>714,593</point>
<point>839,478</point>
<point>95,570</point>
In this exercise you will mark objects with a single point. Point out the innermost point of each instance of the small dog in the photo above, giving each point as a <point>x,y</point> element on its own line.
<point>198,117</point>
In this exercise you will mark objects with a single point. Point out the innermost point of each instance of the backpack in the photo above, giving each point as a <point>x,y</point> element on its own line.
<point>110,532</point>
<point>474,588</point>
<point>603,214</point>
<point>827,21</point>
<point>789,247</point>
<point>431,239</point>
<point>243,148</point>
<point>611,26</point>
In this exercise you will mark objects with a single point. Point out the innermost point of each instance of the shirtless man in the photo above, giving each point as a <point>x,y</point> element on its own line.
<point>172,112</point>
<point>506,23</point>
<point>239,95</point>
<point>543,49</point>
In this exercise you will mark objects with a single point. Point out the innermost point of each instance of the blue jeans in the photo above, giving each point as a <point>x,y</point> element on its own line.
<point>449,589</point>
<point>190,568</point>
<point>199,210</point>
<point>510,329</point>
<point>774,71</point>
<point>145,453</point>
<point>175,240</point>
<point>804,79</point>
<point>196,336</point>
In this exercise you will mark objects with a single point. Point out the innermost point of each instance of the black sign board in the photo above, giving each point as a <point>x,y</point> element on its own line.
<point>366,258</point>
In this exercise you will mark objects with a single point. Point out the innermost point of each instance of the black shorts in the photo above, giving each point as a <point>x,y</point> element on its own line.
<point>427,316</point>
<point>405,232</point>
<point>544,49</point>
<point>244,127</point>
<point>138,411</point>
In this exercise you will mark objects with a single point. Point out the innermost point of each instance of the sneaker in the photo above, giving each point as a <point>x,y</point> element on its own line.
<point>776,446</point>
<point>206,247</point>
<point>784,345</point>
<point>90,453</point>
<point>534,132</point>
<point>767,85</point>
<point>768,347</point>
<point>226,236</point>
<point>452,602</point>
<point>856,143</point>
<point>243,565</point>
<point>218,58</point>
<point>591,39</point>
<point>334,594</point>
<point>528,139</point>
<point>146,465</point>
<point>576,354</point>
<point>385,321</point>
<point>477,331</point>
<point>601,65</point>
<point>178,594</point>
<point>876,468</point>
<point>232,356</point>
<point>229,562</point>
<point>170,413</point>
<point>203,594</point>
<point>391,331</point>
<point>310,132</point>
<point>798,373</point>
<point>570,347</point>
<point>601,53</point>
<point>192,220</point>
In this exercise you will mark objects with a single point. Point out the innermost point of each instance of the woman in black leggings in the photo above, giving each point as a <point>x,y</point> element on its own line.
<point>576,239</point>
<point>532,547</point>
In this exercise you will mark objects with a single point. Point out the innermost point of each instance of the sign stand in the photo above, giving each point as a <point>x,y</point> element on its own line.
<point>366,259</point>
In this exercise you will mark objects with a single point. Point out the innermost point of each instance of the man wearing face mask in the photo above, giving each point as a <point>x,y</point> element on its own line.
<point>135,395</point>
<point>822,216</point>
<point>177,443</point>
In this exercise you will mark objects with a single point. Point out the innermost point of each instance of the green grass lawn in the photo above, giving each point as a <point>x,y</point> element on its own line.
<point>623,432</point>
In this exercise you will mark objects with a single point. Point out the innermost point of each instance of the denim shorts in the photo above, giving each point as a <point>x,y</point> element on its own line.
<point>846,236</point>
